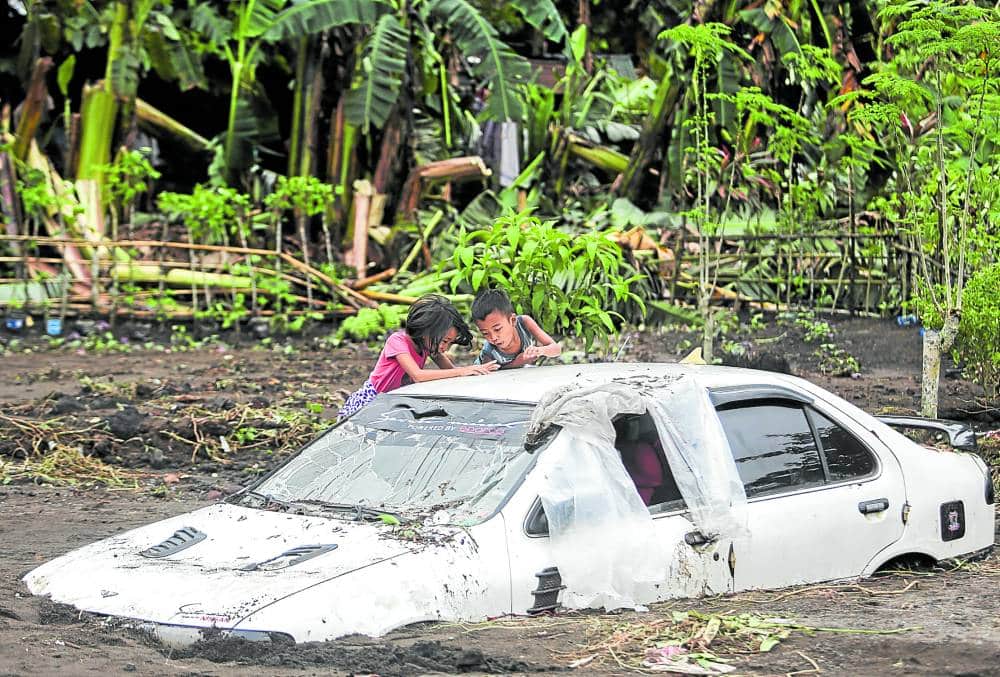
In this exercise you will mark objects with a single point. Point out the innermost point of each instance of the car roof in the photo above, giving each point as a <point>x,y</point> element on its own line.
<point>530,383</point>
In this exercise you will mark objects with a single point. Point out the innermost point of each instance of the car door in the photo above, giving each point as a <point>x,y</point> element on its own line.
<point>696,567</point>
<point>821,501</point>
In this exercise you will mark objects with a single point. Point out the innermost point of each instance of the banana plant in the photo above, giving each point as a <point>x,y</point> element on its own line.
<point>241,37</point>
<point>423,33</point>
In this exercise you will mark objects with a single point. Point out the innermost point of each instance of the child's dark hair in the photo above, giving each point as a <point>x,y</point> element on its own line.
<point>430,318</point>
<point>491,300</point>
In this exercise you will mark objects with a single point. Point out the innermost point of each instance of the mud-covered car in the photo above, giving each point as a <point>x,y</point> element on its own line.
<point>531,490</point>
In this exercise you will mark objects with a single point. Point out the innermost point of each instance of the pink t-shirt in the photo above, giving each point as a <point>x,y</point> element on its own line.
<point>388,372</point>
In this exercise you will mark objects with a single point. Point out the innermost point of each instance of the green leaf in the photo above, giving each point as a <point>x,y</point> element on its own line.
<point>320,15</point>
<point>391,520</point>
<point>173,61</point>
<point>65,74</point>
<point>380,76</point>
<point>476,37</point>
<point>477,279</point>
<point>769,643</point>
<point>578,43</point>
<point>314,407</point>
<point>543,15</point>
<point>513,235</point>
<point>465,255</point>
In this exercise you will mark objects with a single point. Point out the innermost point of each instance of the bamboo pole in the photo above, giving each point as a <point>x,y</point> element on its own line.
<point>363,192</point>
<point>372,279</point>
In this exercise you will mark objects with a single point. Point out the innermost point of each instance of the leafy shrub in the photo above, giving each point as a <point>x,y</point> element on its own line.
<point>370,323</point>
<point>979,329</point>
<point>835,361</point>
<point>568,283</point>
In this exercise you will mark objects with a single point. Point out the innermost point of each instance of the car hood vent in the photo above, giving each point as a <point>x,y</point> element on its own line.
<point>291,557</point>
<point>182,539</point>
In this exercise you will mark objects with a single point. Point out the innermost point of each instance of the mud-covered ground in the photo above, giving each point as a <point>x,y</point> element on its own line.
<point>184,428</point>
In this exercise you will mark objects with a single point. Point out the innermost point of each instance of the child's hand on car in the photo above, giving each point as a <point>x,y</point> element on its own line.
<point>480,369</point>
<point>534,352</point>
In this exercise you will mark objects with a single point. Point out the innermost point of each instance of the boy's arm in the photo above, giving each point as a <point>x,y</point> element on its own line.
<point>546,347</point>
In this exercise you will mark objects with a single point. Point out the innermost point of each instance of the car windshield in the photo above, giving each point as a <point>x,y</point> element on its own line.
<point>413,456</point>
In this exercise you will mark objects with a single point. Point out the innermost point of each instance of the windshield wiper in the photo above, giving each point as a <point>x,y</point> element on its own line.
<point>423,413</point>
<point>361,512</point>
<point>271,500</point>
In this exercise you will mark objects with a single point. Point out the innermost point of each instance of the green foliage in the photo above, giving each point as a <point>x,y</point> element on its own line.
<point>379,76</point>
<point>979,329</point>
<point>371,323</point>
<point>543,15</point>
<point>128,177</point>
<point>305,195</point>
<point>835,361</point>
<point>210,214</point>
<point>498,64</point>
<point>240,37</point>
<point>944,69</point>
<point>566,283</point>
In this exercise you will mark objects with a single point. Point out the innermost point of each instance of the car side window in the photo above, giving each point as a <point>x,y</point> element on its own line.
<point>773,445</point>
<point>846,457</point>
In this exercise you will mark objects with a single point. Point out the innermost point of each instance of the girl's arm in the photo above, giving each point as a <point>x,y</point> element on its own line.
<point>418,374</point>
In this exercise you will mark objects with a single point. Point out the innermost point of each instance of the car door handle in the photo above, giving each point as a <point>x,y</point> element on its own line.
<point>696,538</point>
<point>872,507</point>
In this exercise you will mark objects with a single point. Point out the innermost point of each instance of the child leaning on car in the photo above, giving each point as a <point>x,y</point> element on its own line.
<point>431,327</point>
<point>511,340</point>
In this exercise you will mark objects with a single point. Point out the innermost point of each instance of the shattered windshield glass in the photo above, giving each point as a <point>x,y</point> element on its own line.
<point>413,456</point>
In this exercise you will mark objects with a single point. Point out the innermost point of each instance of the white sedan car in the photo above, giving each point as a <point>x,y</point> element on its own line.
<point>525,491</point>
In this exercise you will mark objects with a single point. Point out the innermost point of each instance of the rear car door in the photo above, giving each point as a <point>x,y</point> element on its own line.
<point>822,502</point>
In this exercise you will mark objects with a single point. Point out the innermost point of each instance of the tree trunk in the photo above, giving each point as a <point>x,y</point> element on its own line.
<point>936,343</point>
<point>307,95</point>
<point>930,374</point>
<point>32,109</point>
<point>667,95</point>
<point>708,329</point>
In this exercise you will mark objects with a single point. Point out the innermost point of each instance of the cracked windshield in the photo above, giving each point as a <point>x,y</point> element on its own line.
<point>454,459</point>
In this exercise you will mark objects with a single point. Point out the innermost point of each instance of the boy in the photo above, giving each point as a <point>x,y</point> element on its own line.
<point>511,340</point>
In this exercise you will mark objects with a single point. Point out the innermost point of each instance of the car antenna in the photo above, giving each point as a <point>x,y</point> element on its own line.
<point>622,348</point>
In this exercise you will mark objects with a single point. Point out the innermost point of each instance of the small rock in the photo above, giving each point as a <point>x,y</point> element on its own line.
<point>66,405</point>
<point>155,457</point>
<point>102,448</point>
<point>129,667</point>
<point>220,403</point>
<point>85,327</point>
<point>141,331</point>
<point>126,423</point>
<point>101,403</point>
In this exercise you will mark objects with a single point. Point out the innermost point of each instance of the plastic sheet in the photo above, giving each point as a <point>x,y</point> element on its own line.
<point>602,533</point>
<point>699,456</point>
<point>599,528</point>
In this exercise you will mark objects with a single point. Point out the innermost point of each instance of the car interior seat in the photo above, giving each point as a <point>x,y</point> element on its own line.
<point>639,456</point>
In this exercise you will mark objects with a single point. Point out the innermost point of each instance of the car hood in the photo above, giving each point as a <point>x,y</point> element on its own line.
<point>246,560</point>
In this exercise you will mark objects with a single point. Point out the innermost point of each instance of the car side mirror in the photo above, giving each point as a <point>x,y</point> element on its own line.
<point>537,522</point>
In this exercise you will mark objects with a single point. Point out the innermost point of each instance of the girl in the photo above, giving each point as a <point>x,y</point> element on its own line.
<point>431,327</point>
